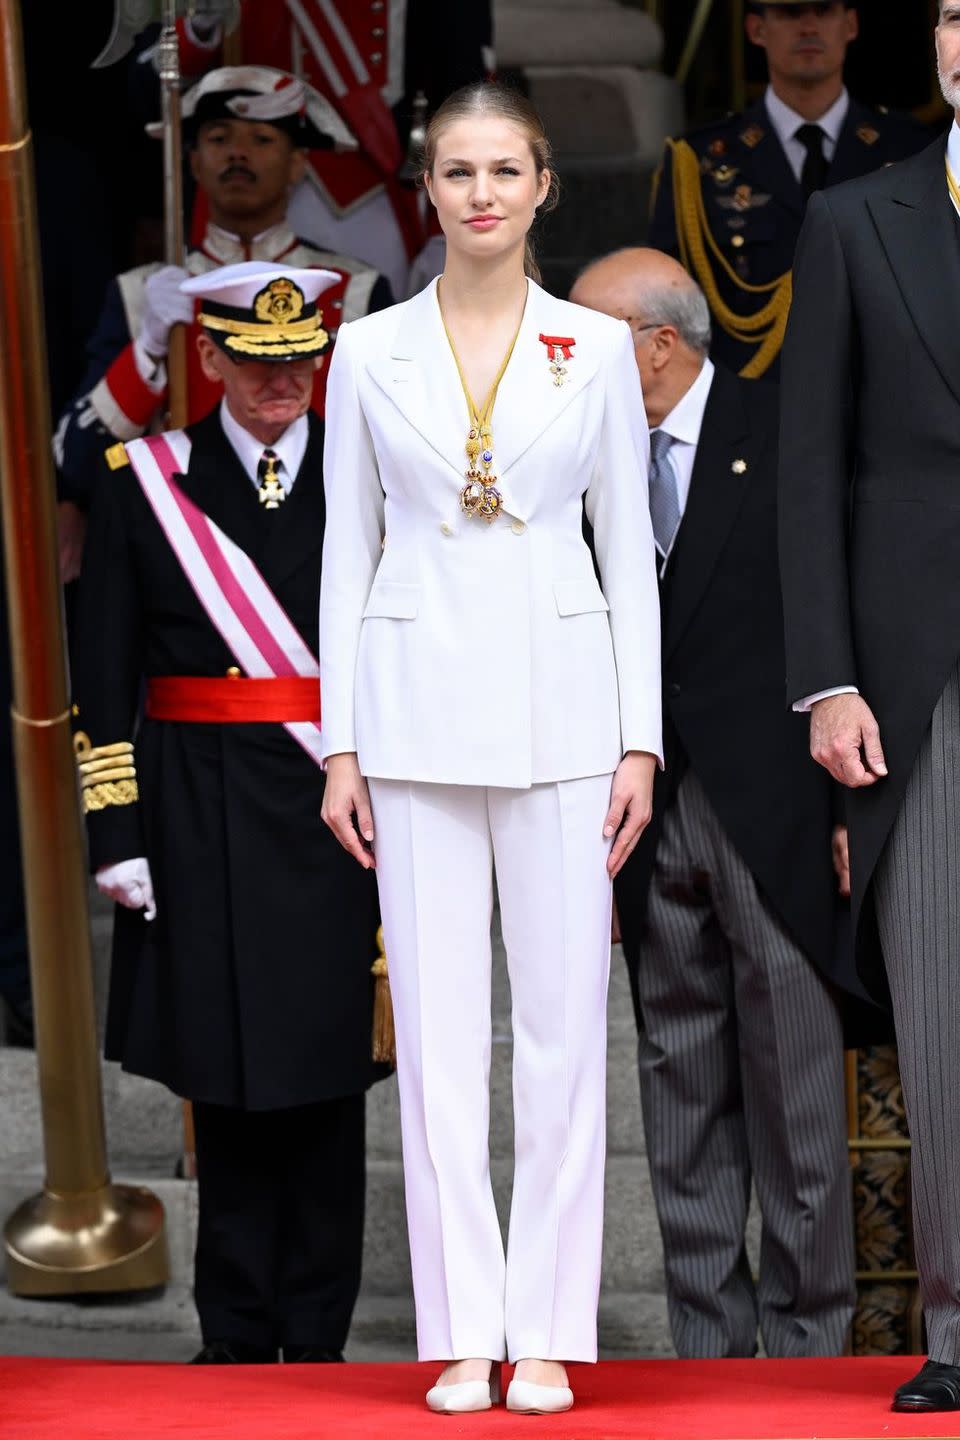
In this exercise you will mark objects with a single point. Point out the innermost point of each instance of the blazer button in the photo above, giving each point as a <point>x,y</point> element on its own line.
<point>445,529</point>
<point>234,672</point>
<point>518,527</point>
<point>673,689</point>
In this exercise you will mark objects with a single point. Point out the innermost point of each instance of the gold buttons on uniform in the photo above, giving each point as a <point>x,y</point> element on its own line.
<point>736,241</point>
<point>518,527</point>
<point>234,673</point>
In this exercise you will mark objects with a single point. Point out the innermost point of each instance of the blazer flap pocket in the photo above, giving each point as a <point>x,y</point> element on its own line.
<point>578,597</point>
<point>392,600</point>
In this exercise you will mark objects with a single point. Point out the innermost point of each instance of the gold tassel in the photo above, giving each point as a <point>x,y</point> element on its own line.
<point>384,1035</point>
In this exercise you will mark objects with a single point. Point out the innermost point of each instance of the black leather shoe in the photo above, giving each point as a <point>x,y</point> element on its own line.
<point>311,1355</point>
<point>934,1387</point>
<point>233,1352</point>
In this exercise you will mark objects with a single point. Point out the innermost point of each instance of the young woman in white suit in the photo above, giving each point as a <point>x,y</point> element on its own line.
<point>485,703</point>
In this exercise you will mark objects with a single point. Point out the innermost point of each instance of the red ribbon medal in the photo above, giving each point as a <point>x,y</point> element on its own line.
<point>559,348</point>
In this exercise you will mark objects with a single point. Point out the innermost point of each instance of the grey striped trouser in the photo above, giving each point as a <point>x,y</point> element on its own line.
<point>917,895</point>
<point>741,1080</point>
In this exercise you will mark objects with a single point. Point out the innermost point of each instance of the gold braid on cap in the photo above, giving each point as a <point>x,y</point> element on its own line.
<point>108,775</point>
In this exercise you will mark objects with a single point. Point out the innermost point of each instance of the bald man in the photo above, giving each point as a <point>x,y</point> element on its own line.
<point>728,906</point>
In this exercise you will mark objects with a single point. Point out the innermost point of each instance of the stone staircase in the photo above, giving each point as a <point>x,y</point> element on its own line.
<point>143,1124</point>
<point>591,68</point>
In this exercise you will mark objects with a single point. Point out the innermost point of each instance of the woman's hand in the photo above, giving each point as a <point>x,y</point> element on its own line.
<point>345,797</point>
<point>631,805</point>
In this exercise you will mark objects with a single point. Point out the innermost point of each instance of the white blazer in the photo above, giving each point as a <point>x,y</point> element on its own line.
<point>465,653</point>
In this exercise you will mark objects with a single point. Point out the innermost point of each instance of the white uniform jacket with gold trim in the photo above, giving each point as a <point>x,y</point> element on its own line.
<point>464,653</point>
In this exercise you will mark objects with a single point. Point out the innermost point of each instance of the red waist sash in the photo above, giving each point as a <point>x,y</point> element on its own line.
<point>233,699</point>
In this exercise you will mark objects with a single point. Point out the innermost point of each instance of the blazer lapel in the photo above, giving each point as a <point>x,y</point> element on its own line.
<point>917,225</point>
<point>217,482</point>
<point>529,401</point>
<point>419,375</point>
<point>293,534</point>
<point>718,486</point>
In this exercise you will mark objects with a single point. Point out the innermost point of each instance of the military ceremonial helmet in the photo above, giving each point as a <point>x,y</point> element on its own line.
<point>263,312</point>
<point>270,97</point>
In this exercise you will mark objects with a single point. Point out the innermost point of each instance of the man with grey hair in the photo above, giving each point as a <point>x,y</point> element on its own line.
<point>728,906</point>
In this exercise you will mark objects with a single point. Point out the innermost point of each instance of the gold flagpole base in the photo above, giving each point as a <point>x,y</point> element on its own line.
<point>111,1239</point>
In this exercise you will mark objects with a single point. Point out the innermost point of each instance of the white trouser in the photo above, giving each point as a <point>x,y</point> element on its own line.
<point>436,846</point>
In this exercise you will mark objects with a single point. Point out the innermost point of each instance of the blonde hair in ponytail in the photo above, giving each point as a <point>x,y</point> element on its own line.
<point>489,97</point>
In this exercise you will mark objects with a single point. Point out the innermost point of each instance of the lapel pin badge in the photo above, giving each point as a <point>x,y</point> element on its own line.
<point>739,467</point>
<point>559,350</point>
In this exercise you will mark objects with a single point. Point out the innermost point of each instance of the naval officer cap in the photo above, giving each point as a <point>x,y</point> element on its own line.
<point>261,95</point>
<point>263,312</point>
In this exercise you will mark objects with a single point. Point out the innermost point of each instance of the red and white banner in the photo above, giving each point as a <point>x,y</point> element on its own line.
<point>239,602</point>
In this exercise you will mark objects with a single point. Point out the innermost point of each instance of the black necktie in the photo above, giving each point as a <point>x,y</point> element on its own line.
<point>270,491</point>
<point>813,176</point>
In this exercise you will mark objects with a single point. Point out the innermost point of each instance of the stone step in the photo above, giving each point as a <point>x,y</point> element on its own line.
<point>631,1255</point>
<point>605,114</point>
<point>591,32</point>
<point>144,1121</point>
<point>163,1325</point>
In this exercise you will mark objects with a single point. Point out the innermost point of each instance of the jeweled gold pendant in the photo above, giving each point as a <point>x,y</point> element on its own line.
<point>480,497</point>
<point>471,495</point>
<point>491,504</point>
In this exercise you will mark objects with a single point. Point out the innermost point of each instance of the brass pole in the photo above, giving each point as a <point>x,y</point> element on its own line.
<point>81,1233</point>
<point>168,68</point>
<point>695,34</point>
<point>738,58</point>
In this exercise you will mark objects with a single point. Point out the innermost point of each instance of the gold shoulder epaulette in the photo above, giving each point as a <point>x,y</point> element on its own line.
<point>116,457</point>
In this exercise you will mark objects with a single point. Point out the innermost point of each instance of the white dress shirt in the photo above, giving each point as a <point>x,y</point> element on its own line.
<point>290,448</point>
<point>953,156</point>
<point>786,122</point>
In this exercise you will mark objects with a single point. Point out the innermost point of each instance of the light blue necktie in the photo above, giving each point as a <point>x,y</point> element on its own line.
<point>664,499</point>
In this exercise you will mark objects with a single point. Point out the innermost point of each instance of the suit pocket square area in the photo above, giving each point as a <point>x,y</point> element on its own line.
<point>578,597</point>
<point>392,600</point>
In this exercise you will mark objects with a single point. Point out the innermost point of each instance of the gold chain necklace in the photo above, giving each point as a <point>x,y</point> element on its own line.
<point>480,496</point>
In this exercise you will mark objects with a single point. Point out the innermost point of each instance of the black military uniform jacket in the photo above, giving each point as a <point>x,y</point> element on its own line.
<point>252,986</point>
<point>724,717</point>
<point>752,209</point>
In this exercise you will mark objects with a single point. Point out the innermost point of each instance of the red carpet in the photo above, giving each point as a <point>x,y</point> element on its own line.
<point>643,1400</point>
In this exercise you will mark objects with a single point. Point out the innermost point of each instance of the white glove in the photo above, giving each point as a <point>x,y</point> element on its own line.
<point>129,884</point>
<point>163,307</point>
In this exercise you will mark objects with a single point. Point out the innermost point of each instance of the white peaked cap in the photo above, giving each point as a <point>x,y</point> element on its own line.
<point>268,95</point>
<point>254,311</point>
<point>239,285</point>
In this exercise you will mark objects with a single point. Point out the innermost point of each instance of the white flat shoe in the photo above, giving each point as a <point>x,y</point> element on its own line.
<point>524,1398</point>
<point>467,1396</point>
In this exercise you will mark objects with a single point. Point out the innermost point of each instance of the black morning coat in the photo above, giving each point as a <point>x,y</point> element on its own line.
<point>754,203</point>
<point>870,475</point>
<point>723,667</point>
<point>252,986</point>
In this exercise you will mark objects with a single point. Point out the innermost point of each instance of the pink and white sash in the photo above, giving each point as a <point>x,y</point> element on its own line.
<point>241,606</point>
